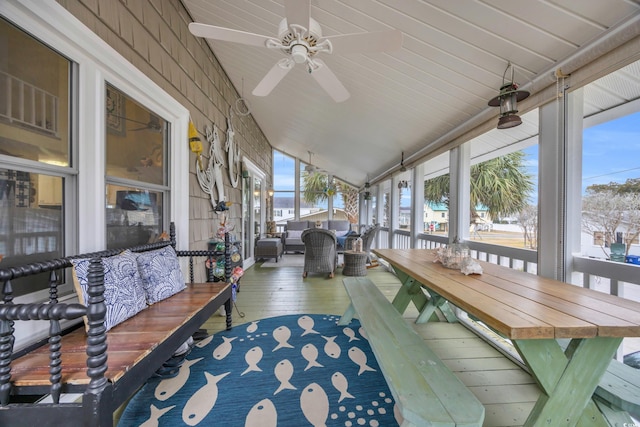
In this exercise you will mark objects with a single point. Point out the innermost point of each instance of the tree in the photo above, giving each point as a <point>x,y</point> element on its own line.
<point>614,210</point>
<point>502,185</point>
<point>316,188</point>
<point>528,221</point>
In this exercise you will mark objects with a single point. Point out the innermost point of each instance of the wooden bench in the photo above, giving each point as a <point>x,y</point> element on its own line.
<point>618,392</point>
<point>425,390</point>
<point>620,387</point>
<point>106,368</point>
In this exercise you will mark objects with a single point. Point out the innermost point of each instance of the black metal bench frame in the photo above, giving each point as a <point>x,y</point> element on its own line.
<point>100,397</point>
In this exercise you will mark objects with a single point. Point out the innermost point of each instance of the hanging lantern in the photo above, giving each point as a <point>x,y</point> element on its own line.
<point>508,100</point>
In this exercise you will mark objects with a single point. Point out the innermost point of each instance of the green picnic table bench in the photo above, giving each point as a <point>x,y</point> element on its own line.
<point>620,387</point>
<point>425,390</point>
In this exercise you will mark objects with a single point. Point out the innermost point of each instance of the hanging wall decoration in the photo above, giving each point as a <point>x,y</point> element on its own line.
<point>233,153</point>
<point>210,179</point>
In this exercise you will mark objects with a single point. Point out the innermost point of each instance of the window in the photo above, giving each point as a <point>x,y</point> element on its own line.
<point>610,184</point>
<point>345,202</point>
<point>284,187</point>
<point>404,191</point>
<point>315,190</point>
<point>35,141</point>
<point>136,185</point>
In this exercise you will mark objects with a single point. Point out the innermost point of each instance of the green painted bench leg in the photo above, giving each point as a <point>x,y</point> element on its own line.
<point>347,316</point>
<point>407,292</point>
<point>436,304</point>
<point>568,381</point>
<point>614,417</point>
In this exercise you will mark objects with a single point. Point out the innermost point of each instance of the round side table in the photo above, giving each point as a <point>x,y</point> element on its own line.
<point>355,263</point>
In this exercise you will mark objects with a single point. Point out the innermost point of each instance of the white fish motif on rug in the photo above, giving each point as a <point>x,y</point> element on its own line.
<point>223,349</point>
<point>341,384</point>
<point>332,349</point>
<point>306,323</point>
<point>282,335</point>
<point>350,333</point>
<point>200,404</point>
<point>315,405</point>
<point>168,387</point>
<point>262,414</point>
<point>359,358</point>
<point>310,354</point>
<point>286,371</point>
<point>253,357</point>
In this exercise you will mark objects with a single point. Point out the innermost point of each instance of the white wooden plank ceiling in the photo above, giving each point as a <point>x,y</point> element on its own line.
<point>452,62</point>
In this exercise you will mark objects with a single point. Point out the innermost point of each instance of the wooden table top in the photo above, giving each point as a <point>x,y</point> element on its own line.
<point>521,305</point>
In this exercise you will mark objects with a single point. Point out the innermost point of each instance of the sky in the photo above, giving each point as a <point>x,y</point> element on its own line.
<point>611,153</point>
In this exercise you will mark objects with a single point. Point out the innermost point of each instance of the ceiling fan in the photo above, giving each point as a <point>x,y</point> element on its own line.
<point>309,168</point>
<point>300,39</point>
<point>152,125</point>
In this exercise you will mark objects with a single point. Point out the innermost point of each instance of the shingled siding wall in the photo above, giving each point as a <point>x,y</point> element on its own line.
<point>153,35</point>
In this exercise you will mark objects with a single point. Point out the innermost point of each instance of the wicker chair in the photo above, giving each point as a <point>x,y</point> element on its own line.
<point>367,236</point>
<point>320,252</point>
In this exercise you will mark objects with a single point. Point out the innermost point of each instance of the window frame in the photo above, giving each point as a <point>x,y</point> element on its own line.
<point>97,64</point>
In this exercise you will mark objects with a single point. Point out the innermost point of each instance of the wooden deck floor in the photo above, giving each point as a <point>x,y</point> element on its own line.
<point>507,392</point>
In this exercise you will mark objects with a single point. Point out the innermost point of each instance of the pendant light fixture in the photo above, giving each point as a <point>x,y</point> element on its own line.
<point>367,186</point>
<point>508,100</point>
<point>402,167</point>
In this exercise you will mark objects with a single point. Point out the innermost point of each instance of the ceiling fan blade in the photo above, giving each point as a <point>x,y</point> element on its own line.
<point>227,34</point>
<point>273,77</point>
<point>377,41</point>
<point>329,82</point>
<point>297,12</point>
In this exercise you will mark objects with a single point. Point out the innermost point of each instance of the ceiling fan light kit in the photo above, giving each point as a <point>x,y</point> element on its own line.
<point>300,39</point>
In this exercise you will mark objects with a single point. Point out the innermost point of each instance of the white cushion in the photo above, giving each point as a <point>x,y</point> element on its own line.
<point>123,292</point>
<point>340,233</point>
<point>161,274</point>
<point>294,234</point>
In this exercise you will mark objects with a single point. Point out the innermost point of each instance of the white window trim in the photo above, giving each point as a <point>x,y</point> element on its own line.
<point>99,63</point>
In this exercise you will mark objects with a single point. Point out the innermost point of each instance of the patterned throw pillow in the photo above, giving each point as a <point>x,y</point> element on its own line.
<point>161,274</point>
<point>123,292</point>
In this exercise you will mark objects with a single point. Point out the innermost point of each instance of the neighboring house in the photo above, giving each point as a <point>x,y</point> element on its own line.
<point>593,245</point>
<point>283,211</point>
<point>436,214</point>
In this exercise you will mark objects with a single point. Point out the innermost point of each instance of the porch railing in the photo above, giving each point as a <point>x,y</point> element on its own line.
<point>27,104</point>
<point>588,272</point>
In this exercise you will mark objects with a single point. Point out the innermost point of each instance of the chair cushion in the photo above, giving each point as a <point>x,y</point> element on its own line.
<point>298,225</point>
<point>269,242</point>
<point>161,274</point>
<point>294,234</point>
<point>123,292</point>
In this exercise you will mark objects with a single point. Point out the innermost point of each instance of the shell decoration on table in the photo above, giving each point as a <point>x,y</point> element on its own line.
<point>470,266</point>
<point>457,256</point>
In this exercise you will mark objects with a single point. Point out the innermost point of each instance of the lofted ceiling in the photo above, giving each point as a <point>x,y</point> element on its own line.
<point>452,61</point>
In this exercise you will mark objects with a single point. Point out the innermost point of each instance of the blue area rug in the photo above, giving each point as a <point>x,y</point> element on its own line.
<point>287,371</point>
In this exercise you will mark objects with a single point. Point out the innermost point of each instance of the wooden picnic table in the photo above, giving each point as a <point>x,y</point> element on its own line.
<point>533,312</point>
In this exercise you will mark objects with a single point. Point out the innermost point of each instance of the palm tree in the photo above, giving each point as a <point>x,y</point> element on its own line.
<point>502,185</point>
<point>316,188</point>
